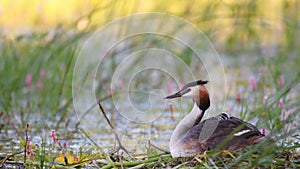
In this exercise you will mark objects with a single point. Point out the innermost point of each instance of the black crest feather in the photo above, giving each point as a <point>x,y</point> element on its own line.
<point>198,82</point>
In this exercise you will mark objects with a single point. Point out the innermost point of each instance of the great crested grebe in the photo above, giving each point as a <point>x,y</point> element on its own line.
<point>192,136</point>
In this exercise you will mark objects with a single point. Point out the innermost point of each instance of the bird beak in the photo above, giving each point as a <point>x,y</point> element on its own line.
<point>178,94</point>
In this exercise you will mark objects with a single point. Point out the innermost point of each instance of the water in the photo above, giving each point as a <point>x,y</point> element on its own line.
<point>139,113</point>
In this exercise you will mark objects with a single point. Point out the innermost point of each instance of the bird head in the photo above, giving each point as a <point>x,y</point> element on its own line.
<point>195,90</point>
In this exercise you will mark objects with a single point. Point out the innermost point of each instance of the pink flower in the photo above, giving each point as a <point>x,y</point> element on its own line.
<point>252,82</point>
<point>171,107</point>
<point>281,81</point>
<point>39,84</point>
<point>263,131</point>
<point>265,99</point>
<point>295,123</point>
<point>53,135</point>
<point>31,154</point>
<point>238,97</point>
<point>42,74</point>
<point>95,163</point>
<point>283,113</point>
<point>280,103</point>
<point>28,143</point>
<point>65,144</point>
<point>290,112</point>
<point>28,80</point>
<point>111,91</point>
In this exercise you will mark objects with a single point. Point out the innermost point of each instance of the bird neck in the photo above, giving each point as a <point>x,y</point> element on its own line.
<point>203,100</point>
<point>199,116</point>
<point>184,126</point>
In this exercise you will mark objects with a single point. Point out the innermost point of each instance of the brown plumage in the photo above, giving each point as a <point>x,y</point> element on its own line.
<point>193,136</point>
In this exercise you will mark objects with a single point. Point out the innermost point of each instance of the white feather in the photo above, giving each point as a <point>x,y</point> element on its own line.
<point>241,132</point>
<point>194,92</point>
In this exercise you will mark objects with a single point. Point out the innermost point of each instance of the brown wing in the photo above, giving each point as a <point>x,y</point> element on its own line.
<point>228,133</point>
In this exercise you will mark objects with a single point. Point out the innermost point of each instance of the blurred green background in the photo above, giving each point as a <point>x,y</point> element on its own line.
<point>250,23</point>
